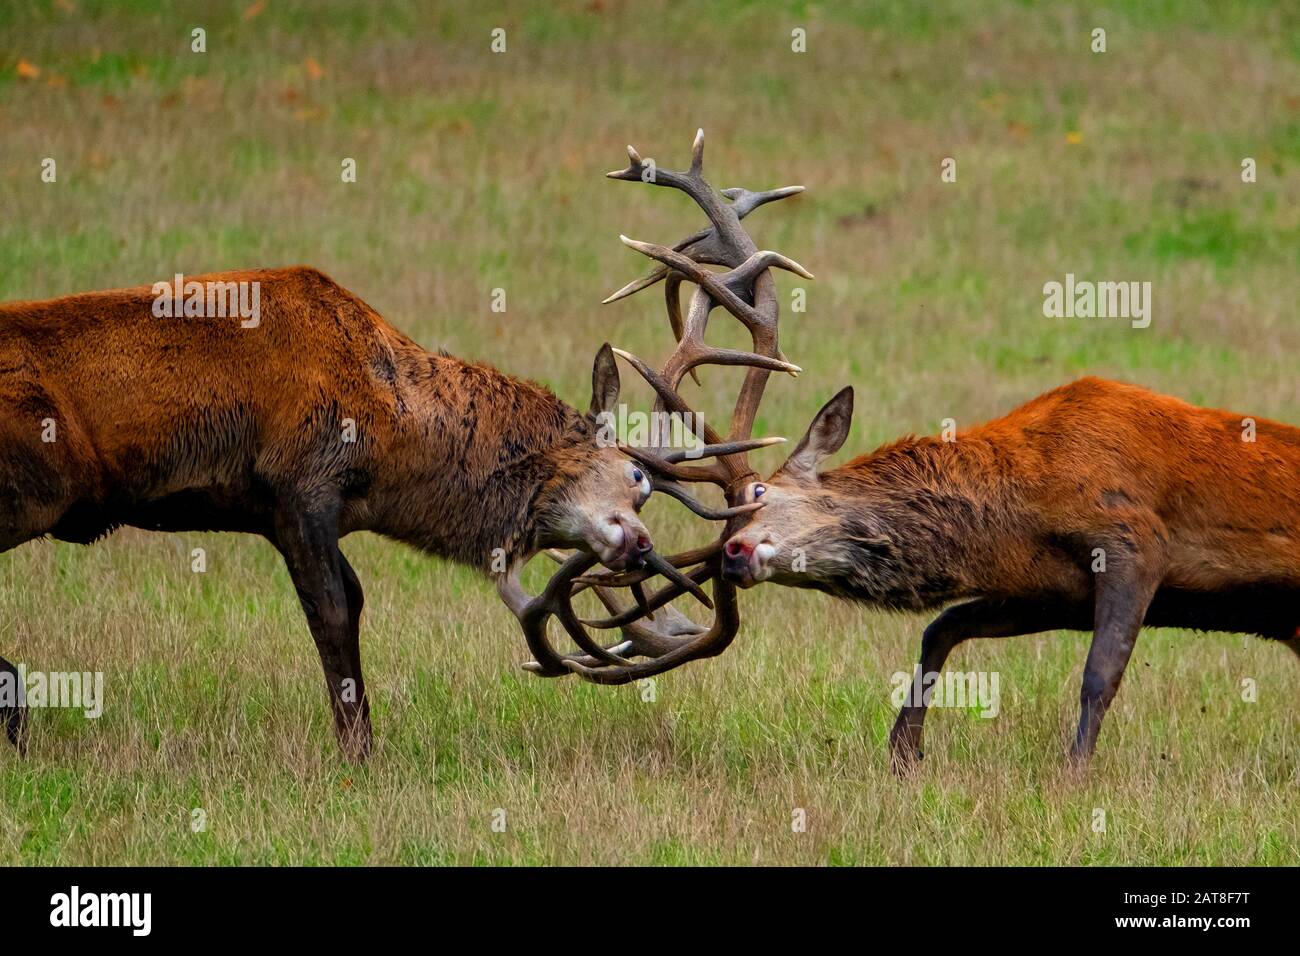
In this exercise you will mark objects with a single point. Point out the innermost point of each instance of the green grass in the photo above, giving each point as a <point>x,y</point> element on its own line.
<point>479,171</point>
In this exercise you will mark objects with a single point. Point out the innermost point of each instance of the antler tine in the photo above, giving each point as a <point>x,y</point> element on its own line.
<point>726,289</point>
<point>726,286</point>
<point>616,579</point>
<point>697,152</point>
<point>664,641</point>
<point>644,640</point>
<point>669,471</point>
<point>674,490</point>
<point>725,222</point>
<point>655,641</point>
<point>701,246</point>
<point>723,449</point>
<point>673,302</point>
<point>533,612</point>
<point>745,201</point>
<point>556,600</point>
<point>665,595</point>
<point>670,652</point>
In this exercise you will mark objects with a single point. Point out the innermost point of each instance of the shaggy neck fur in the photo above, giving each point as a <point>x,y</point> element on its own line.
<point>483,457</point>
<point>902,523</point>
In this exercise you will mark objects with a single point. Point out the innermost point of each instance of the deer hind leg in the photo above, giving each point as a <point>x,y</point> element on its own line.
<point>18,523</point>
<point>1294,643</point>
<point>356,600</point>
<point>980,618</point>
<point>308,540</point>
<point>42,474</point>
<point>12,716</point>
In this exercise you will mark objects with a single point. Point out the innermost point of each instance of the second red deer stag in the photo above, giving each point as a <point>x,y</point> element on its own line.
<point>1096,507</point>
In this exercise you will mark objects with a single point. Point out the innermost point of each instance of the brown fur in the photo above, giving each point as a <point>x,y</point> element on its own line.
<point>1199,528</point>
<point>200,424</point>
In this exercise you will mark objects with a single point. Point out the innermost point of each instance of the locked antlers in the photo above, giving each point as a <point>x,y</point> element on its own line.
<point>651,627</point>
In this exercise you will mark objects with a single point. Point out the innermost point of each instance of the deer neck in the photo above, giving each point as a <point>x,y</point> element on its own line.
<point>911,523</point>
<point>473,453</point>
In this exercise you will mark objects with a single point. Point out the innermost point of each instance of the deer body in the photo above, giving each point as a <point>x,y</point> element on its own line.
<point>320,421</point>
<point>1097,506</point>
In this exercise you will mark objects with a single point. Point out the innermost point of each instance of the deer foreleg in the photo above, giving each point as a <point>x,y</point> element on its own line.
<point>331,599</point>
<point>1134,567</point>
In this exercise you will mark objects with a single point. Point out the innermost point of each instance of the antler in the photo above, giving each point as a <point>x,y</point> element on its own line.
<point>651,627</point>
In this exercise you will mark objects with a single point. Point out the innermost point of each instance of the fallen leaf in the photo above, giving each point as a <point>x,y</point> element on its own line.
<point>27,71</point>
<point>67,6</point>
<point>254,10</point>
<point>56,81</point>
<point>1074,137</point>
<point>1018,131</point>
<point>314,71</point>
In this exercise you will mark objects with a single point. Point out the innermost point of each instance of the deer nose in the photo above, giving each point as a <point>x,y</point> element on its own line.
<point>735,548</point>
<point>643,544</point>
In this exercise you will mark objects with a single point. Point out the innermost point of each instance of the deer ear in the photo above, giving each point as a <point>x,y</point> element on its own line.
<point>604,382</point>
<point>824,437</point>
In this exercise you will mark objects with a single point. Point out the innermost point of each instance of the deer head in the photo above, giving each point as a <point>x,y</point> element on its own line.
<point>650,626</point>
<point>808,534</point>
<point>593,495</point>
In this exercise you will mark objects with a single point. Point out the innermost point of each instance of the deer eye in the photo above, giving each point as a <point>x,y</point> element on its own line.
<point>756,490</point>
<point>639,478</point>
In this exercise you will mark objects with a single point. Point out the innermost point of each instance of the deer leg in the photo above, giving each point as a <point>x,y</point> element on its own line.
<point>308,540</point>
<point>356,599</point>
<point>16,527</point>
<point>1294,643</point>
<point>980,618</point>
<point>1124,593</point>
<point>12,715</point>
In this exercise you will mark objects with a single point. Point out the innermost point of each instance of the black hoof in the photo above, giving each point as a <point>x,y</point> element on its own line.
<point>15,720</point>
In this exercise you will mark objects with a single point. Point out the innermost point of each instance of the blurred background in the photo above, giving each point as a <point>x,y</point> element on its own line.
<point>478,170</point>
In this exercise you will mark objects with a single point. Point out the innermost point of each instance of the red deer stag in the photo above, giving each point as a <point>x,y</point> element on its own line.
<point>746,290</point>
<point>319,421</point>
<point>1096,507</point>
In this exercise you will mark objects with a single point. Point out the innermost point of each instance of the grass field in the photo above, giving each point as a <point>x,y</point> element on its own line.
<point>480,170</point>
